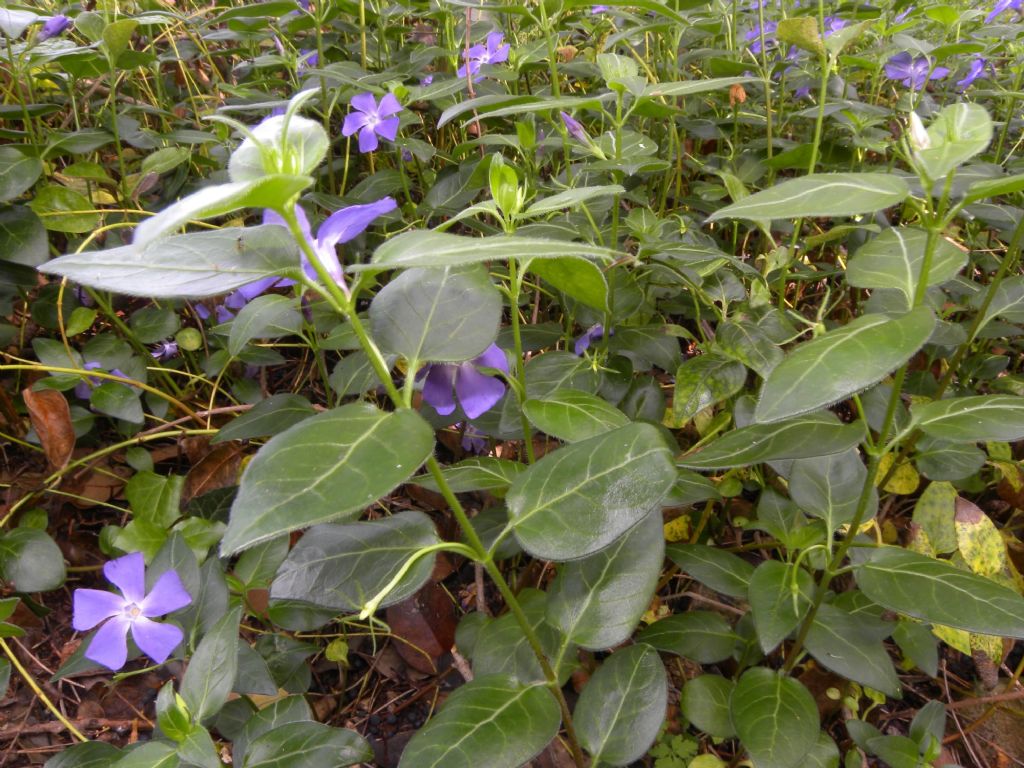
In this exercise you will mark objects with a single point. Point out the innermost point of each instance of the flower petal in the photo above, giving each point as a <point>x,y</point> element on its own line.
<point>128,574</point>
<point>166,596</point>
<point>437,388</point>
<point>154,639</point>
<point>109,645</point>
<point>341,226</point>
<point>364,102</point>
<point>492,357</point>
<point>367,140</point>
<point>477,392</point>
<point>353,122</point>
<point>389,105</point>
<point>91,606</point>
<point>387,128</point>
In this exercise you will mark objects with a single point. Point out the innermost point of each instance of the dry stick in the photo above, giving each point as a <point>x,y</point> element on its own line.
<point>89,724</point>
<point>30,681</point>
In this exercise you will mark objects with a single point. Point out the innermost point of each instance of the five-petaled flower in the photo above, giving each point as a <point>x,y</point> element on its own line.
<point>53,26</point>
<point>493,50</point>
<point>754,35</point>
<point>372,120</point>
<point>913,73</point>
<point>132,610</point>
<point>976,70</point>
<point>1001,6</point>
<point>477,392</point>
<point>165,350</point>
<point>588,337</point>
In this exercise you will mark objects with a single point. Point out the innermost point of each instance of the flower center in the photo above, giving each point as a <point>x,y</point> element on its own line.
<point>132,611</point>
<point>372,121</point>
<point>485,58</point>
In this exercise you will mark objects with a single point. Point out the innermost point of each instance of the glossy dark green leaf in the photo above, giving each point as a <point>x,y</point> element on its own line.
<point>919,645</point>
<point>492,720</point>
<point>690,87</point>
<point>722,571</point>
<point>18,172</point>
<point>893,260</point>
<point>31,561</point>
<point>704,701</point>
<point>1007,301</point>
<point>578,499</point>
<point>197,749</point>
<point>775,718</point>
<point>572,415</point>
<point>780,596</point>
<point>23,238</point>
<point>829,487</point>
<point>344,566</point>
<point>749,344</point>
<point>622,706</point>
<point>480,473</point>
<point>328,467</point>
<point>290,709</point>
<point>210,675</point>
<point>597,602</point>
<point>841,362</point>
<point>935,591</point>
<point>437,314</point>
<point>88,754</point>
<point>578,278</point>
<point>153,754</point>
<point>816,434</point>
<point>571,198</point>
<point>195,265</point>
<point>62,209</point>
<point>703,636</point>
<point>851,646</point>
<point>265,317</point>
<point>819,194</point>
<point>704,381</point>
<point>307,745</point>
<point>117,401</point>
<point>993,418</point>
<point>268,417</point>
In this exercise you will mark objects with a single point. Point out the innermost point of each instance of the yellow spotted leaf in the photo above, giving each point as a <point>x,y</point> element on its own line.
<point>990,645</point>
<point>903,481</point>
<point>999,451</point>
<point>979,541</point>
<point>959,639</point>
<point>678,529</point>
<point>1010,472</point>
<point>920,542</point>
<point>934,515</point>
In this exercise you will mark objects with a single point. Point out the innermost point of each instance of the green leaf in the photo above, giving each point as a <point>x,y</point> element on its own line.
<point>578,278</point>
<point>704,701</point>
<point>445,315</point>
<point>841,362</point>
<point>64,210</point>
<point>775,718</point>
<point>153,754</point>
<point>117,36</point>
<point>18,171</point>
<point>88,754</point>
<point>703,636</point>
<point>500,105</point>
<point>933,514</point>
<point>571,198</point>
<point>424,248</point>
<point>198,749</point>
<point>300,152</point>
<point>959,132</point>
<point>938,592</point>
<point>820,194</point>
<point>23,238</point>
<point>622,707</point>
<point>851,646</point>
<point>829,487</point>
<point>1002,185</point>
<point>572,415</point>
<point>780,596</point>
<point>290,709</point>
<point>155,498</point>
<point>502,648</point>
<point>307,745</point>
<point>117,401</point>
<point>702,382</point>
<point>211,671</point>
<point>344,566</point>
<point>816,434</point>
<point>268,191</point>
<point>690,87</point>
<point>1007,301</point>
<point>482,473</point>
<point>328,467</point>
<point>993,418</point>
<point>490,721</point>
<point>268,417</point>
<point>265,317</point>
<point>195,265</point>
<point>722,571</point>
<point>893,260</point>
<point>577,500</point>
<point>597,602</point>
<point>801,31</point>
<point>749,344</point>
<point>30,561</point>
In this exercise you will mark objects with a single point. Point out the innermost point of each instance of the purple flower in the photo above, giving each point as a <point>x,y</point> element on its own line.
<point>833,24</point>
<point>340,227</point>
<point>977,68</point>
<point>572,125</point>
<point>165,350</point>
<point>372,120</point>
<point>754,36</point>
<point>473,440</point>
<point>84,388</point>
<point>493,51</point>
<point>426,80</point>
<point>588,337</point>
<point>131,610</point>
<point>307,59</point>
<point>598,9</point>
<point>1003,5</point>
<point>899,17</point>
<point>54,26</point>
<point>913,73</point>
<point>477,392</point>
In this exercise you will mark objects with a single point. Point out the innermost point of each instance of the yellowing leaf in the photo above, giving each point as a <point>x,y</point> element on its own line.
<point>678,529</point>
<point>979,540</point>
<point>934,514</point>
<point>1010,472</point>
<point>903,481</point>
<point>990,645</point>
<point>999,451</point>
<point>959,639</point>
<point>920,542</point>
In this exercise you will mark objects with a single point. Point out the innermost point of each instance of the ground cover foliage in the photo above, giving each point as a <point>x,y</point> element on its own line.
<point>479,384</point>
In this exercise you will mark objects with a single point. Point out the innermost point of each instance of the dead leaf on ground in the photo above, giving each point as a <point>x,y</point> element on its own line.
<point>217,469</point>
<point>51,418</point>
<point>424,626</point>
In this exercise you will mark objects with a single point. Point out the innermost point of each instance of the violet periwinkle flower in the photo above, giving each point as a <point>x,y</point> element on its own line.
<point>754,36</point>
<point>473,440</point>
<point>976,70</point>
<point>307,59</point>
<point>596,10</point>
<point>83,389</point>
<point>477,392</point>
<point>833,24</point>
<point>588,337</point>
<point>493,50</point>
<point>165,350</point>
<point>1001,6</point>
<point>53,26</point>
<point>575,129</point>
<point>372,120</point>
<point>913,73</point>
<point>132,610</point>
<point>899,17</point>
<point>426,80</point>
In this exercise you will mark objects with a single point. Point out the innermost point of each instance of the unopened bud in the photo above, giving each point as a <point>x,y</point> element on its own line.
<point>919,138</point>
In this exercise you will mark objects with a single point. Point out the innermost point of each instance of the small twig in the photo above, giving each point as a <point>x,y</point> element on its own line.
<point>89,724</point>
<point>31,682</point>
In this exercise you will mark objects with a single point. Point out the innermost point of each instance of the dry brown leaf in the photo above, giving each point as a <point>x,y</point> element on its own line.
<point>217,469</point>
<point>51,418</point>
<point>424,626</point>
